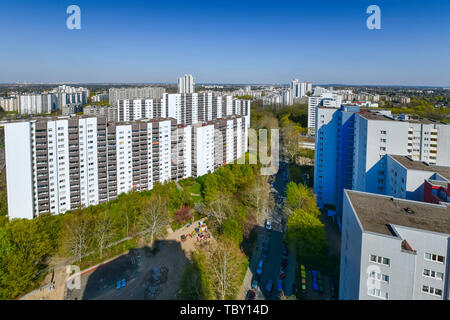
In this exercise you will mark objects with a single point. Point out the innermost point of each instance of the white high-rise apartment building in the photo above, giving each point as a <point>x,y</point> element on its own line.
<point>394,249</point>
<point>202,149</point>
<point>186,84</point>
<point>187,109</point>
<point>9,103</point>
<point>300,89</point>
<point>321,98</point>
<point>138,93</point>
<point>58,164</point>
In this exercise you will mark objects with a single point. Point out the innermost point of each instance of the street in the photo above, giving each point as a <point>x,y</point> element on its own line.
<point>274,238</point>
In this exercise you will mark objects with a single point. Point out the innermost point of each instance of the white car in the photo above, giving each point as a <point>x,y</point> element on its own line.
<point>269,225</point>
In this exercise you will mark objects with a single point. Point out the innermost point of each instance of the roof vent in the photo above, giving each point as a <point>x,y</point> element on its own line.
<point>408,210</point>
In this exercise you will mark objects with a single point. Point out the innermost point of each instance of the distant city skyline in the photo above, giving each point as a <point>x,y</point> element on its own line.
<point>233,42</point>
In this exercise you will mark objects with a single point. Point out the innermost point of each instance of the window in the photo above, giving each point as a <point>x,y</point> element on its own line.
<point>434,257</point>
<point>433,274</point>
<point>380,260</point>
<point>378,293</point>
<point>432,291</point>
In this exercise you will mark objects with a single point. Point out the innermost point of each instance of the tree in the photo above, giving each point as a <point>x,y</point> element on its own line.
<point>103,230</point>
<point>24,249</point>
<point>219,209</point>
<point>233,231</point>
<point>183,214</point>
<point>259,195</point>
<point>78,231</point>
<point>210,188</point>
<point>224,264</point>
<point>155,217</point>
<point>291,140</point>
<point>129,208</point>
<point>307,233</point>
<point>300,197</point>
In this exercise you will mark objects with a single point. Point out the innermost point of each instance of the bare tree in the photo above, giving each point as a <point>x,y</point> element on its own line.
<point>103,230</point>
<point>222,261</point>
<point>259,195</point>
<point>78,235</point>
<point>154,217</point>
<point>219,209</point>
<point>291,140</point>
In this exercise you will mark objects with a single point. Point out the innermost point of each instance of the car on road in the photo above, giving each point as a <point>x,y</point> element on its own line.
<point>280,285</point>
<point>260,267</point>
<point>282,273</point>
<point>251,294</point>
<point>269,286</point>
<point>268,225</point>
<point>255,282</point>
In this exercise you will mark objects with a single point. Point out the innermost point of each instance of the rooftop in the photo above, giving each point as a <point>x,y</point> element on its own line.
<point>410,164</point>
<point>376,115</point>
<point>377,212</point>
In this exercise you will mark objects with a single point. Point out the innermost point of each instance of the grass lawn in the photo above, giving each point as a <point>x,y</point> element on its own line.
<point>195,188</point>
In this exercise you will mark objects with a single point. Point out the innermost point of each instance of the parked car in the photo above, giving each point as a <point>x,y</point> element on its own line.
<point>251,294</point>
<point>269,286</point>
<point>255,282</point>
<point>280,285</point>
<point>316,286</point>
<point>303,271</point>
<point>260,267</point>
<point>282,273</point>
<point>269,224</point>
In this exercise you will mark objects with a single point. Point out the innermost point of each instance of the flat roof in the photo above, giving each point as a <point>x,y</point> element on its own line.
<point>377,212</point>
<point>408,163</point>
<point>374,115</point>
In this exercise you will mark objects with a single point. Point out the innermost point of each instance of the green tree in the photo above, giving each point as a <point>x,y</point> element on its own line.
<point>307,233</point>
<point>301,197</point>
<point>26,246</point>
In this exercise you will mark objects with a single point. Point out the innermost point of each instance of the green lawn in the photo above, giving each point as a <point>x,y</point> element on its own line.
<point>195,188</point>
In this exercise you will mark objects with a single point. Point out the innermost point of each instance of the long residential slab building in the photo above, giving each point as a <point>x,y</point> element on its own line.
<point>186,108</point>
<point>63,163</point>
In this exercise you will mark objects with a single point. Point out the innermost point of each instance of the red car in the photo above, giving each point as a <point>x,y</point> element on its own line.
<point>250,295</point>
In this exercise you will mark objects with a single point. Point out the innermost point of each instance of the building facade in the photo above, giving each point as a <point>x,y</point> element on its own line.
<point>352,145</point>
<point>393,249</point>
<point>186,84</point>
<point>60,164</point>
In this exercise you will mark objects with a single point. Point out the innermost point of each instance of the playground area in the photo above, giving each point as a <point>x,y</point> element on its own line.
<point>144,273</point>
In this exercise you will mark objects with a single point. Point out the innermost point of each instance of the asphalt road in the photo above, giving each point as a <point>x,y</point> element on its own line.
<point>271,267</point>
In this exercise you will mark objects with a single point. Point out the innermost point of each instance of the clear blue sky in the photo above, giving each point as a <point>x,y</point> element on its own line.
<point>226,41</point>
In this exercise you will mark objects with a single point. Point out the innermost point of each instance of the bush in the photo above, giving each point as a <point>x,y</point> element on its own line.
<point>183,214</point>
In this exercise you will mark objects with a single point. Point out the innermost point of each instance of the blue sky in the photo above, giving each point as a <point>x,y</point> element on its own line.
<point>226,41</point>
